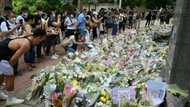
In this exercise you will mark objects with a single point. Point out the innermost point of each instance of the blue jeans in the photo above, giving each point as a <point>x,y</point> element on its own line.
<point>29,57</point>
<point>82,32</point>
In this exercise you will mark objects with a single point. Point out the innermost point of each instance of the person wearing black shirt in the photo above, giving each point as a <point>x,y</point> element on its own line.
<point>148,19</point>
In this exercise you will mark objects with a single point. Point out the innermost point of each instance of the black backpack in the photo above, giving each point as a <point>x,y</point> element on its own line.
<point>3,19</point>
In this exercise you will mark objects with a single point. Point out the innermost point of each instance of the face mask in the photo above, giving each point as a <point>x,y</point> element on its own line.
<point>53,14</point>
<point>72,16</point>
<point>40,12</point>
<point>13,20</point>
<point>25,15</point>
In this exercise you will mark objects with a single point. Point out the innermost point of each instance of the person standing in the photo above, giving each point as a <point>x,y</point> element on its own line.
<point>154,16</point>
<point>148,19</point>
<point>29,57</point>
<point>168,16</point>
<point>38,23</point>
<point>70,23</point>
<point>21,20</point>
<point>11,51</point>
<point>138,17</point>
<point>121,21</point>
<point>96,24</point>
<point>135,18</point>
<point>109,23</point>
<point>53,30</point>
<point>115,26</point>
<point>82,23</point>
<point>162,17</point>
<point>130,20</point>
<point>7,23</point>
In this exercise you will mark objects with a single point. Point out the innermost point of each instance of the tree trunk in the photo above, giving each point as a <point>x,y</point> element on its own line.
<point>79,4</point>
<point>4,3</point>
<point>120,4</point>
<point>180,66</point>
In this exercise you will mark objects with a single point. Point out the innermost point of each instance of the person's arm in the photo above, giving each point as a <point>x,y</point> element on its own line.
<point>46,24</point>
<point>66,22</point>
<point>75,24</point>
<point>94,20</point>
<point>100,19</point>
<point>78,43</point>
<point>5,33</point>
<point>15,28</point>
<point>58,21</point>
<point>22,50</point>
<point>2,34</point>
<point>57,24</point>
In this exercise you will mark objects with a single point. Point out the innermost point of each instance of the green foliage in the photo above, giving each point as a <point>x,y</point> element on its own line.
<point>87,1</point>
<point>176,91</point>
<point>46,5</point>
<point>147,3</point>
<point>60,5</point>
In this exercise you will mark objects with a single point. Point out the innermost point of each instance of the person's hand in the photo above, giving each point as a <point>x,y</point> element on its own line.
<point>72,38</point>
<point>58,20</point>
<point>19,25</point>
<point>59,16</point>
<point>46,24</point>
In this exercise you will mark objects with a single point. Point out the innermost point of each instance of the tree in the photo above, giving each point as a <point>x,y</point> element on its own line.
<point>34,4</point>
<point>148,3</point>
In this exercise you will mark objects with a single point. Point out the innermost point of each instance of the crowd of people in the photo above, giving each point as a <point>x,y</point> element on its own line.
<point>39,35</point>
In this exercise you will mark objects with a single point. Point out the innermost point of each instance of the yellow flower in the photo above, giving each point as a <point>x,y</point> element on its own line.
<point>75,83</point>
<point>103,99</point>
<point>103,93</point>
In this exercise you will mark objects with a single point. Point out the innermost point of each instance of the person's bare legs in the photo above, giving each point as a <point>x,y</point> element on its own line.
<point>9,86</point>
<point>3,96</point>
<point>9,81</point>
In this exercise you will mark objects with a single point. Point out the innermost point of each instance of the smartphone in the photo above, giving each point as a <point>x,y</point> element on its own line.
<point>21,21</point>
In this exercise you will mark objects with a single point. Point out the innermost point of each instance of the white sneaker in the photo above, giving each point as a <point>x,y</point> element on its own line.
<point>14,101</point>
<point>55,56</point>
<point>3,96</point>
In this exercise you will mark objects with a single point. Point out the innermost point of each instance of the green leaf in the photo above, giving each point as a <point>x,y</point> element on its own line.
<point>175,90</point>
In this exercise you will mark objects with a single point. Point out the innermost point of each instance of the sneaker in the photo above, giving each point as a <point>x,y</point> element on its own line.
<point>54,57</point>
<point>2,87</point>
<point>3,96</point>
<point>13,101</point>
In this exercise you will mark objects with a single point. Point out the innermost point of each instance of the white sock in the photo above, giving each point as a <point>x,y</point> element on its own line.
<point>2,87</point>
<point>10,94</point>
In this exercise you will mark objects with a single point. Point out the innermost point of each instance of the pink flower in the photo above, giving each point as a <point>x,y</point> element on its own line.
<point>69,90</point>
<point>108,62</point>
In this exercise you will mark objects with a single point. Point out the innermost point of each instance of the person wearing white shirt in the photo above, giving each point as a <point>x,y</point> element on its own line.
<point>4,25</point>
<point>71,24</point>
<point>7,23</point>
<point>21,19</point>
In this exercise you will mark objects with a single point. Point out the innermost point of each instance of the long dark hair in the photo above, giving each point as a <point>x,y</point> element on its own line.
<point>38,32</point>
